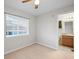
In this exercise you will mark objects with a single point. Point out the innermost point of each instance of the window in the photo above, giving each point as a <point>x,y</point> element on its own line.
<point>16,25</point>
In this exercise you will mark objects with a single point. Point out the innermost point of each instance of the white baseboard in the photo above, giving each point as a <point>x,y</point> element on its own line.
<point>18,48</point>
<point>47,45</point>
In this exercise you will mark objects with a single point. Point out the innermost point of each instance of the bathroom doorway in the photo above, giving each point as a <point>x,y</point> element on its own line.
<point>65,30</point>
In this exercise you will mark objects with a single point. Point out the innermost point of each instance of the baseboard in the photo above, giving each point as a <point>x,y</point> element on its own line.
<point>47,45</point>
<point>18,48</point>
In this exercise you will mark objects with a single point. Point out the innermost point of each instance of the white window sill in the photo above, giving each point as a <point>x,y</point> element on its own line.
<point>16,35</point>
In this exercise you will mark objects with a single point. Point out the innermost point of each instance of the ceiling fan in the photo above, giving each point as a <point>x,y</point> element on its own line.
<point>36,3</point>
<point>25,1</point>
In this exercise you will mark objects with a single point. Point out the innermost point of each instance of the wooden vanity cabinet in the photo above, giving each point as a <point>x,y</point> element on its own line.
<point>68,41</point>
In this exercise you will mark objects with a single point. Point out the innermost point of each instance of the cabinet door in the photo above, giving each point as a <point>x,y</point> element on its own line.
<point>67,41</point>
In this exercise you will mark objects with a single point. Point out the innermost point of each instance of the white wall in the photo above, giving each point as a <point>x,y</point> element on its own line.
<point>47,27</point>
<point>13,43</point>
<point>47,30</point>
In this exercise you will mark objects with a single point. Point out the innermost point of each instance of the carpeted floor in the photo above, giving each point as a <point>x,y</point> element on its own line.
<point>37,51</point>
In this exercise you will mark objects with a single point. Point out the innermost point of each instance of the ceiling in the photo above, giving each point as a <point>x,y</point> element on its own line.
<point>44,7</point>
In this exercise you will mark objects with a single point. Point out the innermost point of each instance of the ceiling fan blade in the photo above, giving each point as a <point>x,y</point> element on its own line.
<point>26,1</point>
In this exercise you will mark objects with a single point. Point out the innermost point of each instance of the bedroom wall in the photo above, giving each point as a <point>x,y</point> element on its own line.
<point>47,30</point>
<point>47,27</point>
<point>14,43</point>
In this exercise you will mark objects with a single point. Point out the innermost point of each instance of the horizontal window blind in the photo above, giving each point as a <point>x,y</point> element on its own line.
<point>16,25</point>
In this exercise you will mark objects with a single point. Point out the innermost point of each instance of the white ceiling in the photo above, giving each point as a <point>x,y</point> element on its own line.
<point>44,7</point>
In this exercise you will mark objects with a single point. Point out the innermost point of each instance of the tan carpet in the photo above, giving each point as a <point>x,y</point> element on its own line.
<point>37,51</point>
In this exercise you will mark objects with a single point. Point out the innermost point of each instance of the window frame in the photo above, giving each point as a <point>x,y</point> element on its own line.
<point>22,34</point>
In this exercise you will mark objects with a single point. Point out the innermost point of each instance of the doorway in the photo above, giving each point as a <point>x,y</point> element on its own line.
<point>65,30</point>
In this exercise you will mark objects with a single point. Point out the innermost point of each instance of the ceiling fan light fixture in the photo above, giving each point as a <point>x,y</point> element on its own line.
<point>36,6</point>
<point>36,2</point>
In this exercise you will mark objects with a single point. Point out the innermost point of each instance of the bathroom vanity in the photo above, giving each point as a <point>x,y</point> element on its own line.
<point>68,40</point>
